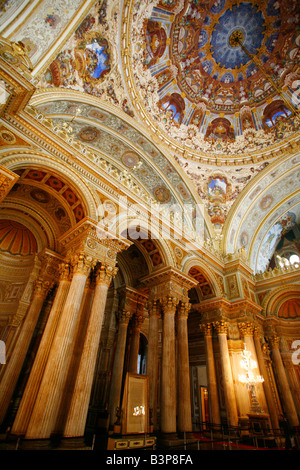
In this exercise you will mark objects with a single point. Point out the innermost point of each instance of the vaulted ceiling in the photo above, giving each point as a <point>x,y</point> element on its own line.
<point>197,100</point>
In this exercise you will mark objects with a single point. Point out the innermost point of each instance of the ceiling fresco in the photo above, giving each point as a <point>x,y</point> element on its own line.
<point>121,143</point>
<point>218,76</point>
<point>210,84</point>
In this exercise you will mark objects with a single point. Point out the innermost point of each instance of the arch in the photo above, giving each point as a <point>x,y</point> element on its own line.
<point>213,279</point>
<point>22,159</point>
<point>121,226</point>
<point>276,298</point>
<point>269,195</point>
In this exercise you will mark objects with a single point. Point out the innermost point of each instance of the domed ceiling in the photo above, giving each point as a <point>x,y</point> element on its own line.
<point>217,76</point>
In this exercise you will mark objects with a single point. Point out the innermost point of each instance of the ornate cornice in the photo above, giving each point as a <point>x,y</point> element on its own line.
<point>7,180</point>
<point>88,237</point>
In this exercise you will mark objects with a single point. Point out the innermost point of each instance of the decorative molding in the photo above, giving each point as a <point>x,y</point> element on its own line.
<point>7,181</point>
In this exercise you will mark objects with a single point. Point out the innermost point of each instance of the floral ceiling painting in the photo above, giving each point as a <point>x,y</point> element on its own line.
<point>199,58</point>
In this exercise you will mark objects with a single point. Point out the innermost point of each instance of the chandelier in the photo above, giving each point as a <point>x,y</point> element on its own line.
<point>250,380</point>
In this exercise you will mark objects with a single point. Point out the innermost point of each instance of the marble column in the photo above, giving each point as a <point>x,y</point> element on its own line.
<point>152,358</point>
<point>211,374</point>
<point>36,374</point>
<point>168,373</point>
<point>76,420</point>
<point>16,360</point>
<point>183,370</point>
<point>11,330</point>
<point>137,321</point>
<point>284,388</point>
<point>118,366</point>
<point>47,405</point>
<point>266,385</point>
<point>230,399</point>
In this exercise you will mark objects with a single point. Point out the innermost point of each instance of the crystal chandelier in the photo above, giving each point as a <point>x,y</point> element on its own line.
<point>250,379</point>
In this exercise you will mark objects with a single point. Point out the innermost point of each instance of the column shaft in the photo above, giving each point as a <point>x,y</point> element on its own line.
<point>285,391</point>
<point>230,399</point>
<point>76,420</point>
<point>266,385</point>
<point>15,362</point>
<point>135,343</point>
<point>47,405</point>
<point>117,372</point>
<point>36,374</point>
<point>183,369</point>
<point>152,359</point>
<point>211,375</point>
<point>168,379</point>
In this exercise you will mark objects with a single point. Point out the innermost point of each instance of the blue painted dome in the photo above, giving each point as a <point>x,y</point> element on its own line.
<point>244,19</point>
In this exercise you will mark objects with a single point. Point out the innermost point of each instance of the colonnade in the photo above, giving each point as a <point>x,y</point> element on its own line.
<point>58,390</point>
<point>251,337</point>
<point>171,312</point>
<point>66,357</point>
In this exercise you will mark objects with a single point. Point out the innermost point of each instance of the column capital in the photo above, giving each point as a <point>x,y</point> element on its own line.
<point>246,328</point>
<point>206,328</point>
<point>184,310</point>
<point>50,262</point>
<point>42,287</point>
<point>137,320</point>
<point>154,308</point>
<point>221,327</point>
<point>82,263</point>
<point>105,274</point>
<point>124,317</point>
<point>274,341</point>
<point>96,242</point>
<point>169,303</point>
<point>64,271</point>
<point>257,333</point>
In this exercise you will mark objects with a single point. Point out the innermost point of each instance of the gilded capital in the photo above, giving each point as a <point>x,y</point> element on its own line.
<point>169,304</point>
<point>64,270</point>
<point>206,328</point>
<point>184,309</point>
<point>41,287</point>
<point>82,264</point>
<point>124,317</point>
<point>153,308</point>
<point>138,319</point>
<point>221,327</point>
<point>274,341</point>
<point>246,328</point>
<point>105,274</point>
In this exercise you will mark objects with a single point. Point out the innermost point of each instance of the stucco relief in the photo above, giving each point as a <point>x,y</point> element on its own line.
<point>43,28</point>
